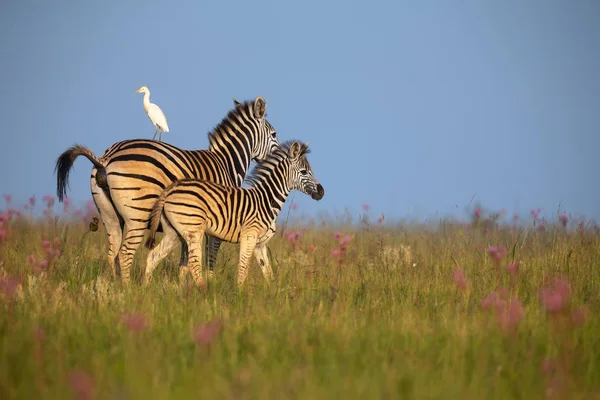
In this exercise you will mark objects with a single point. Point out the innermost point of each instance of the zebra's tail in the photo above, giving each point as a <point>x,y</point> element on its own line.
<point>64,163</point>
<point>155,215</point>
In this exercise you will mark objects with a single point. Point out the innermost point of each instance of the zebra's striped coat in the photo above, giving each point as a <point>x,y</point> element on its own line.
<point>128,178</point>
<point>191,208</point>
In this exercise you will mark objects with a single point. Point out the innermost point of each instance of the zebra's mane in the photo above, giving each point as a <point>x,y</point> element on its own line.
<point>245,106</point>
<point>264,167</point>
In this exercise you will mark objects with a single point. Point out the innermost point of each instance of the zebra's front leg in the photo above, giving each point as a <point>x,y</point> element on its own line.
<point>212,244</point>
<point>247,245</point>
<point>262,257</point>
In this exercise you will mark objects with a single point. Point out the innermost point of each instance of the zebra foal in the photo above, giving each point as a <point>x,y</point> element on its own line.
<point>237,215</point>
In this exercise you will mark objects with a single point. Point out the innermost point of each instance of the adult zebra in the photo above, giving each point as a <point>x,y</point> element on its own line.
<point>192,207</point>
<point>128,178</point>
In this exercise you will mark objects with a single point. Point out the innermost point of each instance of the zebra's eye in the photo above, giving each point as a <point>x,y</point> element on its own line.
<point>274,134</point>
<point>304,172</point>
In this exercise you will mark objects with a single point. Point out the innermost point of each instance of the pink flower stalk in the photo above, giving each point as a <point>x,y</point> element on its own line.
<point>82,384</point>
<point>56,242</point>
<point>555,296</point>
<point>510,318</point>
<point>535,213</point>
<point>31,259</point>
<point>8,199</point>
<point>49,200</point>
<point>513,268</point>
<point>9,287</point>
<point>379,220</point>
<point>4,217</point>
<point>32,201</point>
<point>337,252</point>
<point>45,244</point>
<point>497,253</point>
<point>337,236</point>
<point>477,213</point>
<point>347,239</point>
<point>515,218</point>
<point>312,248</point>
<point>206,334</point>
<point>366,207</point>
<point>460,278</point>
<point>564,219</point>
<point>135,322</point>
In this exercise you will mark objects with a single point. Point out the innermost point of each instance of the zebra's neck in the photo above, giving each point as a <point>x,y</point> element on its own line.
<point>234,150</point>
<point>270,180</point>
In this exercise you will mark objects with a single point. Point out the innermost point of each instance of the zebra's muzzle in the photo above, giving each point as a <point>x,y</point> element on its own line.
<point>318,195</point>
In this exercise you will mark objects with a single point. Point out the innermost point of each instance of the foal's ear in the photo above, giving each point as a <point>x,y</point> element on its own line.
<point>260,107</point>
<point>295,150</point>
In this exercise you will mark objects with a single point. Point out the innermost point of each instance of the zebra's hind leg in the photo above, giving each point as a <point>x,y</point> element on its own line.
<point>261,255</point>
<point>158,253</point>
<point>247,245</point>
<point>133,239</point>
<point>194,244</point>
<point>111,221</point>
<point>212,247</point>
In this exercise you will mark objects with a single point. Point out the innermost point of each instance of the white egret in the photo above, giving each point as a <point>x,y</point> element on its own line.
<point>157,117</point>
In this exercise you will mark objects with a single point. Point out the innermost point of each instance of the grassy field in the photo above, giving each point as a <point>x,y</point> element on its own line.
<point>457,311</point>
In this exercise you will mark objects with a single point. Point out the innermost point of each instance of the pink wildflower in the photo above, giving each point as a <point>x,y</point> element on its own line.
<point>135,322</point>
<point>312,248</point>
<point>45,244</point>
<point>9,287</point>
<point>366,207</point>
<point>8,198</point>
<point>477,213</point>
<point>347,239</point>
<point>205,334</point>
<point>338,235</point>
<point>43,264</point>
<point>337,252</point>
<point>460,279</point>
<point>510,318</point>
<point>497,253</point>
<point>379,220</point>
<point>32,201</point>
<point>31,259</point>
<point>564,219</point>
<point>512,268</point>
<point>82,384</point>
<point>555,296</point>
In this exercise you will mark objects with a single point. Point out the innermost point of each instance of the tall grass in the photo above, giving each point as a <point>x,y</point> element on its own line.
<point>360,312</point>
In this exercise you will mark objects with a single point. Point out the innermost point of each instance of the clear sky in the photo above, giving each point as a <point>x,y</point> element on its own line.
<point>411,107</point>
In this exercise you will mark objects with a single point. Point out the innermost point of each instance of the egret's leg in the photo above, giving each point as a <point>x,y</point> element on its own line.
<point>155,132</point>
<point>160,135</point>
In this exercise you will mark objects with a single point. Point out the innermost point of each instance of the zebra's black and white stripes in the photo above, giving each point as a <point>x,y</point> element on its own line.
<point>191,207</point>
<point>128,178</point>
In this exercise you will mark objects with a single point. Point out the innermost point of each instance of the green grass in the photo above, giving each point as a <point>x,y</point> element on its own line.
<point>374,326</point>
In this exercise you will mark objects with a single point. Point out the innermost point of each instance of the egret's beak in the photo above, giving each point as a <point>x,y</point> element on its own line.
<point>137,91</point>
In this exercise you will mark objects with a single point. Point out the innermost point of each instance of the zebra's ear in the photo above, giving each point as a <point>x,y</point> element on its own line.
<point>295,149</point>
<point>260,107</point>
<point>236,103</point>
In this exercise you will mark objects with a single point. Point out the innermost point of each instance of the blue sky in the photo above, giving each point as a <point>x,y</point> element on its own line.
<point>411,107</point>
